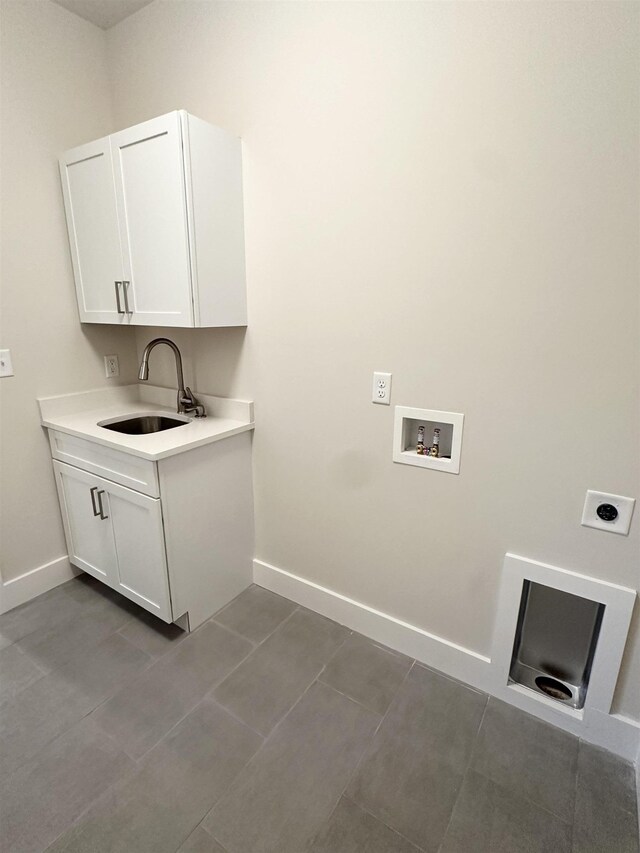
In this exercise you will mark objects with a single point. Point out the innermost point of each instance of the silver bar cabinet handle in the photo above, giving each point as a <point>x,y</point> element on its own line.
<point>93,500</point>
<point>125,290</point>
<point>102,515</point>
<point>118,305</point>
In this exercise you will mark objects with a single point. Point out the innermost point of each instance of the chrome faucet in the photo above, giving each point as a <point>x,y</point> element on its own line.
<point>186,401</point>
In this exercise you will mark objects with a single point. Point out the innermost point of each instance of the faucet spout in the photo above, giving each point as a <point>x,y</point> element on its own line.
<point>186,401</point>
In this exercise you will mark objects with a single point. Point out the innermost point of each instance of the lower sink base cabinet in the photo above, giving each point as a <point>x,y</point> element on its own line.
<point>181,555</point>
<point>116,535</point>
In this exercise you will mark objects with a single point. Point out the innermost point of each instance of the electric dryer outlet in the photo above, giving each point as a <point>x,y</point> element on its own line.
<point>608,512</point>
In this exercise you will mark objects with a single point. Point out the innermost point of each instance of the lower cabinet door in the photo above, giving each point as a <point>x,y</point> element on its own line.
<point>88,530</point>
<point>139,542</point>
<point>116,535</point>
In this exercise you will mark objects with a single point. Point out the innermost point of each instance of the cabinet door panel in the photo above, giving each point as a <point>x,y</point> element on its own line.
<point>139,541</point>
<point>92,222</point>
<point>89,537</point>
<point>150,192</point>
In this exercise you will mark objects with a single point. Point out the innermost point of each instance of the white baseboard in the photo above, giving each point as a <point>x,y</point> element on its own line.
<point>614,732</point>
<point>456,661</point>
<point>33,583</point>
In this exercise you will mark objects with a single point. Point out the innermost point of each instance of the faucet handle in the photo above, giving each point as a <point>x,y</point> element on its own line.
<point>191,403</point>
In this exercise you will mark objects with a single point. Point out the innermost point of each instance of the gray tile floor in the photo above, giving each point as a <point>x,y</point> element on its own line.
<point>273,729</point>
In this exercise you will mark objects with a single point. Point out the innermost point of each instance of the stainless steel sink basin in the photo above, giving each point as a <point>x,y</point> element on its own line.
<point>144,424</point>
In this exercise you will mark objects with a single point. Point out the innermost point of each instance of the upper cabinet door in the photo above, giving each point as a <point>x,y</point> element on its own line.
<point>92,222</point>
<point>148,168</point>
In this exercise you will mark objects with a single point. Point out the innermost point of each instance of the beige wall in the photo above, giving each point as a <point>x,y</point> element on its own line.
<point>446,191</point>
<point>55,95</point>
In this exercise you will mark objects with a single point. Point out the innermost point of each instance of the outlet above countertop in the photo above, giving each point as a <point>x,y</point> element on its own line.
<point>78,415</point>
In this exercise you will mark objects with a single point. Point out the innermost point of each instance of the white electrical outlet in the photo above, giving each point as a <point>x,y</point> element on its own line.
<point>111,366</point>
<point>381,391</point>
<point>608,512</point>
<point>6,368</point>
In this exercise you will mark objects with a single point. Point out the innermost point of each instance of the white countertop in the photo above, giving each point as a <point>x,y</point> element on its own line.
<point>79,414</point>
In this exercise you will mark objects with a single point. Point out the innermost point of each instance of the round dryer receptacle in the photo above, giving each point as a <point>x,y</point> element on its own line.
<point>554,688</point>
<point>607,512</point>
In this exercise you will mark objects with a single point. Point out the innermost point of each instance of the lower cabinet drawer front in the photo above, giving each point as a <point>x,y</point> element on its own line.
<point>124,468</point>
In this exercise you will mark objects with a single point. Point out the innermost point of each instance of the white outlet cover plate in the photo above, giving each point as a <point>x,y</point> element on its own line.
<point>590,517</point>
<point>111,366</point>
<point>381,389</point>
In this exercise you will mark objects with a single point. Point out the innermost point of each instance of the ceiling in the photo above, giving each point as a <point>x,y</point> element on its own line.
<point>104,13</point>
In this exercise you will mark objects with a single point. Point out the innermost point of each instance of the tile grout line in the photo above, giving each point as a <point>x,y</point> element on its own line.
<point>41,674</point>
<point>145,669</point>
<point>311,841</point>
<point>89,647</point>
<point>60,625</point>
<point>313,679</point>
<point>575,796</point>
<point>152,661</point>
<point>230,630</point>
<point>465,773</point>
<point>88,713</point>
<point>523,796</point>
<point>56,592</point>
<point>237,633</point>
<point>214,804</point>
<point>209,690</point>
<point>281,721</point>
<point>353,699</point>
<point>25,653</point>
<point>350,698</point>
<point>257,752</point>
<point>379,820</point>
<point>304,692</point>
<point>451,678</point>
<point>266,738</point>
<point>365,752</point>
<point>166,651</point>
<point>333,654</point>
<point>138,765</point>
<point>206,831</point>
<point>129,774</point>
<point>296,607</point>
<point>380,646</point>
<point>518,796</point>
<point>634,812</point>
<point>209,697</point>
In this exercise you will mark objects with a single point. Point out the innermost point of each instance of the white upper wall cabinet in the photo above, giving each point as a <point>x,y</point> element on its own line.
<point>156,227</point>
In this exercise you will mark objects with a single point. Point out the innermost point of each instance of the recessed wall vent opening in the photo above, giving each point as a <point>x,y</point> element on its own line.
<point>556,638</point>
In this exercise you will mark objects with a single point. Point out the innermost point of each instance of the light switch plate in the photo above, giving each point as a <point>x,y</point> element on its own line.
<point>611,504</point>
<point>381,390</point>
<point>6,367</point>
